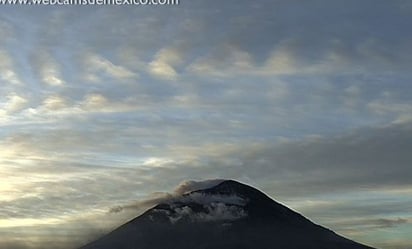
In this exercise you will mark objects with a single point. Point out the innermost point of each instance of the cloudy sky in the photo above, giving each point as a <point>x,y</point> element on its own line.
<point>310,101</point>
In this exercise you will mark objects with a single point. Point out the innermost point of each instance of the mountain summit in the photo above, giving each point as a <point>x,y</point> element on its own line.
<point>230,215</point>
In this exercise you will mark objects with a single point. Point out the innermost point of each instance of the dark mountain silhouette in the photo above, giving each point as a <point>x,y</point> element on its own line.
<point>229,215</point>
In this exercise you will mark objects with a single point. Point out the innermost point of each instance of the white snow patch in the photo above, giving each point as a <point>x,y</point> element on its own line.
<point>214,212</point>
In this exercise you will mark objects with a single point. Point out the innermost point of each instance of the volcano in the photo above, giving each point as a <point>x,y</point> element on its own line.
<point>229,215</point>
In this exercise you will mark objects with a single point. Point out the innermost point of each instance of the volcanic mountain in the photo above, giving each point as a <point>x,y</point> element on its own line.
<point>230,215</point>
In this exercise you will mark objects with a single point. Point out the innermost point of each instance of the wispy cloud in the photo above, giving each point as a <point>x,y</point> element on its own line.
<point>307,100</point>
<point>7,69</point>
<point>48,69</point>
<point>164,63</point>
<point>96,65</point>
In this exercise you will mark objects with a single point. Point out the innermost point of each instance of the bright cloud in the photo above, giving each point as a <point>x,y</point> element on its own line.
<point>97,65</point>
<point>7,69</point>
<point>163,64</point>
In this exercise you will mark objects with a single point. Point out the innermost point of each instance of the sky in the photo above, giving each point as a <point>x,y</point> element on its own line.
<point>106,106</point>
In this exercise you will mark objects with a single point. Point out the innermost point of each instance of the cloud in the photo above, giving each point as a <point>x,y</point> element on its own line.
<point>207,199</point>
<point>190,185</point>
<point>7,69</point>
<point>382,106</point>
<point>142,205</point>
<point>372,223</point>
<point>15,103</point>
<point>6,30</point>
<point>164,63</point>
<point>163,197</point>
<point>47,68</point>
<point>55,102</point>
<point>14,244</point>
<point>284,96</point>
<point>284,59</point>
<point>55,107</point>
<point>359,159</point>
<point>214,207</point>
<point>315,166</point>
<point>95,64</point>
<point>95,101</point>
<point>222,211</point>
<point>235,62</point>
<point>398,244</point>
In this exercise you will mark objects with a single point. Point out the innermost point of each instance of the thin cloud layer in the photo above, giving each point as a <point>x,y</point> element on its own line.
<point>309,101</point>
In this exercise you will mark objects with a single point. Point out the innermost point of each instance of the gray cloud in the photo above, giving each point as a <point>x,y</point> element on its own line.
<point>164,197</point>
<point>374,223</point>
<point>47,68</point>
<point>7,68</point>
<point>365,158</point>
<point>142,205</point>
<point>190,185</point>
<point>350,207</point>
<point>316,165</point>
<point>395,245</point>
